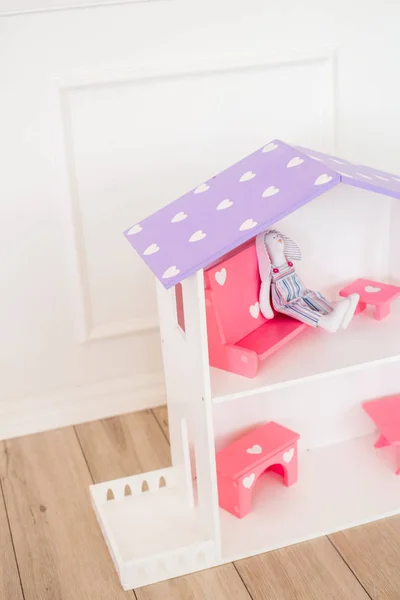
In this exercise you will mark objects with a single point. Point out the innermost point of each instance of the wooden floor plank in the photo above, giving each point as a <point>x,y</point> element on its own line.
<point>59,547</point>
<point>373,553</point>
<point>221,583</point>
<point>309,571</point>
<point>62,554</point>
<point>161,414</point>
<point>132,444</point>
<point>10,586</point>
<point>123,446</point>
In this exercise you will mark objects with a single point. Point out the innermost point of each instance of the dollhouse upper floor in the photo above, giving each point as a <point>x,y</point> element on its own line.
<point>344,217</point>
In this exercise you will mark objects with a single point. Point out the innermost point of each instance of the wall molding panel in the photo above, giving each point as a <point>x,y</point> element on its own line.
<point>156,74</point>
<point>203,66</point>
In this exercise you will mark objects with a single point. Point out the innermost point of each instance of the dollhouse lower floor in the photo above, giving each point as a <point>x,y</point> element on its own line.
<point>158,536</point>
<point>340,486</point>
<point>315,388</point>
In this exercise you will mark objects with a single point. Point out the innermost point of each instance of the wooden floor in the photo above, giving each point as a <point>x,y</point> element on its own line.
<point>51,547</point>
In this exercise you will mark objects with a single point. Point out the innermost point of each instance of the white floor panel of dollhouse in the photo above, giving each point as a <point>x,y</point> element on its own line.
<point>339,487</point>
<point>153,524</point>
<point>314,353</point>
<point>156,535</point>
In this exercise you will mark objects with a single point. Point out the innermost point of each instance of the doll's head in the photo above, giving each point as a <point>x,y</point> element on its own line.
<point>276,248</point>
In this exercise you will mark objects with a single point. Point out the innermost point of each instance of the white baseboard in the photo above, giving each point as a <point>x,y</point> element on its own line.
<point>80,404</point>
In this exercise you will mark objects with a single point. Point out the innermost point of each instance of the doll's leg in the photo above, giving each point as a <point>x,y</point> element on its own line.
<point>354,299</point>
<point>316,301</point>
<point>334,320</point>
<point>300,311</point>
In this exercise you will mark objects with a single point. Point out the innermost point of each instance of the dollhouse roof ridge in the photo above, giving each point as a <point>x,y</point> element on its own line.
<point>230,208</point>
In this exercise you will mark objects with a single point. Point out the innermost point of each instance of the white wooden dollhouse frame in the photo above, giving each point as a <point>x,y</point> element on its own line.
<point>314,386</point>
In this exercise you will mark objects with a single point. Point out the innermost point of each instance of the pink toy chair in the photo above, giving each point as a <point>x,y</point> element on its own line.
<point>385,413</point>
<point>239,337</point>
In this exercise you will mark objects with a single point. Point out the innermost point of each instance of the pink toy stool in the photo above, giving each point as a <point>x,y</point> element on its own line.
<point>240,464</point>
<point>385,413</point>
<point>380,295</point>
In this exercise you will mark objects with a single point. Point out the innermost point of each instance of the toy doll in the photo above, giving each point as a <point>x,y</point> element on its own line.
<point>290,296</point>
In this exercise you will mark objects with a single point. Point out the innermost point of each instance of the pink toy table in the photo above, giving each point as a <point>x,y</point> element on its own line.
<point>240,464</point>
<point>380,295</point>
<point>385,413</point>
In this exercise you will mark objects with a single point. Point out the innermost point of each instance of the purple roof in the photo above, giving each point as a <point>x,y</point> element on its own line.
<point>233,206</point>
<point>358,175</point>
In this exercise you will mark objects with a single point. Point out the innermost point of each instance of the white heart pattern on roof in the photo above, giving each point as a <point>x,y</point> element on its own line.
<point>325,178</point>
<point>247,176</point>
<point>151,249</point>
<point>201,188</point>
<point>248,224</point>
<point>171,272</point>
<point>295,162</point>
<point>135,229</point>
<point>224,204</point>
<point>370,289</point>
<point>254,310</point>
<point>197,236</point>
<point>270,191</point>
<point>220,276</point>
<point>180,216</point>
<point>270,147</point>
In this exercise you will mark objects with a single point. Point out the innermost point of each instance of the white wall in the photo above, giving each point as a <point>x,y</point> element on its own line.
<point>109,112</point>
<point>343,234</point>
<point>324,411</point>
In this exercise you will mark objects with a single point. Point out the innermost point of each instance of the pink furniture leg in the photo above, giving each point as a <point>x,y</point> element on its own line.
<point>290,475</point>
<point>244,502</point>
<point>381,442</point>
<point>385,413</point>
<point>361,306</point>
<point>382,311</point>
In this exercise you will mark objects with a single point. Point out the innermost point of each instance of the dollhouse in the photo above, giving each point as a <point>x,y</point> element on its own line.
<point>256,403</point>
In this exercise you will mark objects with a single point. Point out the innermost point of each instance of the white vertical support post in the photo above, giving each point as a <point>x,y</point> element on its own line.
<point>187,463</point>
<point>187,378</point>
<point>394,248</point>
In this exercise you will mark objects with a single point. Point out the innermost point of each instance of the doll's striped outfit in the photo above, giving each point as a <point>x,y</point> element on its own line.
<point>292,298</point>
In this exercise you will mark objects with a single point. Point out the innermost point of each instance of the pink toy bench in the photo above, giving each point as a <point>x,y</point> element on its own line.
<point>239,337</point>
<point>380,295</point>
<point>385,413</point>
<point>240,464</point>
